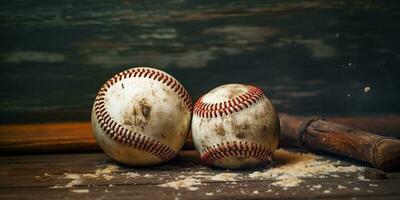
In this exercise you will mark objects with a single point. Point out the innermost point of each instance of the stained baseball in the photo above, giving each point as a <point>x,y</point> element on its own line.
<point>235,126</point>
<point>141,116</point>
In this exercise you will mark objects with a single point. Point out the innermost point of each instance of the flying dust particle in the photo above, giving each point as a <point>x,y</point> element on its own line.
<point>367,89</point>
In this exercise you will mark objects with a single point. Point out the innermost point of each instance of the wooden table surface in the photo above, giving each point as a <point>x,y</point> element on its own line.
<point>40,177</point>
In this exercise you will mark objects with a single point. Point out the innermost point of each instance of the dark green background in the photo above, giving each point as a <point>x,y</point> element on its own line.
<point>311,57</point>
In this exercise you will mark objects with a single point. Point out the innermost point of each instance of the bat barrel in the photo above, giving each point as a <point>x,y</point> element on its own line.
<point>386,154</point>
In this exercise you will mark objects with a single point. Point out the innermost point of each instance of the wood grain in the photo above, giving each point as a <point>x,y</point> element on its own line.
<point>317,134</point>
<point>47,138</point>
<point>33,176</point>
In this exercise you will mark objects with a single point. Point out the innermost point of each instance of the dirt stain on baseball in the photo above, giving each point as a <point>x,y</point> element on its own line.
<point>219,129</point>
<point>267,128</point>
<point>205,142</point>
<point>167,91</point>
<point>242,130</point>
<point>145,107</point>
<point>138,116</point>
<point>241,135</point>
<point>235,91</point>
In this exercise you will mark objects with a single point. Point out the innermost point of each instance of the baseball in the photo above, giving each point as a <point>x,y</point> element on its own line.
<point>141,116</point>
<point>235,126</point>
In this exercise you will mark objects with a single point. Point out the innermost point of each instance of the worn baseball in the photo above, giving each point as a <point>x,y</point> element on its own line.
<point>141,116</point>
<point>235,126</point>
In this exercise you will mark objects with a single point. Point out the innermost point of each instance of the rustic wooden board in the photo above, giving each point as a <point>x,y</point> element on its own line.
<point>31,177</point>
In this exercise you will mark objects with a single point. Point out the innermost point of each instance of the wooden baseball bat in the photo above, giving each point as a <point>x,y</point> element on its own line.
<point>317,134</point>
<point>63,137</point>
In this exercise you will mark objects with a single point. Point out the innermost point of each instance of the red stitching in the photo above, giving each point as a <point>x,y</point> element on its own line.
<point>210,110</point>
<point>231,149</point>
<point>125,136</point>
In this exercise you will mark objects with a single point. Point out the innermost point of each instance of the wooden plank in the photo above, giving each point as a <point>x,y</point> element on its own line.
<point>24,177</point>
<point>218,191</point>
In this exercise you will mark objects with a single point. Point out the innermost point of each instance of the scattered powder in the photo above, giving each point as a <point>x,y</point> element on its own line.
<point>148,175</point>
<point>77,178</point>
<point>209,193</point>
<point>373,185</point>
<point>224,177</point>
<point>290,167</point>
<point>56,186</point>
<point>109,169</point>
<point>317,186</point>
<point>288,170</point>
<point>131,175</point>
<point>201,176</point>
<point>327,191</point>
<point>187,183</point>
<point>107,177</point>
<point>341,187</point>
<point>285,182</point>
<point>90,175</point>
<point>361,178</point>
<point>80,190</point>
<point>73,183</point>
<point>72,176</point>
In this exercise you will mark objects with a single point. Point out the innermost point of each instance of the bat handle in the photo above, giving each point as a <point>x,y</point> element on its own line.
<point>318,134</point>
